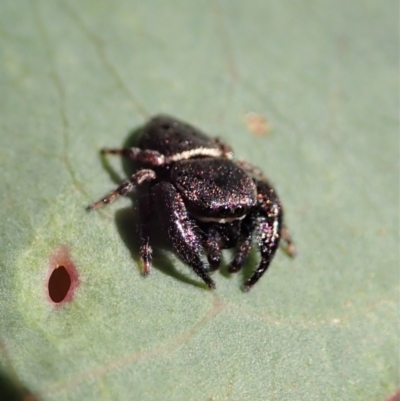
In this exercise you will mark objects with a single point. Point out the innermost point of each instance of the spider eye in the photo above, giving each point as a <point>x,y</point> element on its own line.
<point>165,126</point>
<point>239,209</point>
<point>224,211</point>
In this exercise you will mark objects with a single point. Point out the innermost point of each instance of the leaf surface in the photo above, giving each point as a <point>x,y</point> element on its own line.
<point>323,79</point>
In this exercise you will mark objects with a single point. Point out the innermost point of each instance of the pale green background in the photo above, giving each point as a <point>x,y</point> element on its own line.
<point>79,75</point>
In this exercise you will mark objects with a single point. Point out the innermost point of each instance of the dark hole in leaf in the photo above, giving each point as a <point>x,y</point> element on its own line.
<point>59,284</point>
<point>62,277</point>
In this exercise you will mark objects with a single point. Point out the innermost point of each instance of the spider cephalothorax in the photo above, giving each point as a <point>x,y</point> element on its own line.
<point>205,199</point>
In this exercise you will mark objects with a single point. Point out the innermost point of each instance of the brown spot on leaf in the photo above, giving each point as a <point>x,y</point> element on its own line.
<point>257,124</point>
<point>62,278</point>
<point>394,397</point>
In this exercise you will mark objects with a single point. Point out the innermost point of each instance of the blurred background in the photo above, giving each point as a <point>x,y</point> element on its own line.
<point>306,90</point>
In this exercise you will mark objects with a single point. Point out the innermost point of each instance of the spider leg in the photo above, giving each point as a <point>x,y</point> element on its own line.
<point>289,247</point>
<point>145,249</point>
<point>212,241</point>
<point>126,186</point>
<point>182,230</point>
<point>225,148</point>
<point>145,156</point>
<point>244,248</point>
<point>155,158</point>
<point>268,222</point>
<point>253,170</point>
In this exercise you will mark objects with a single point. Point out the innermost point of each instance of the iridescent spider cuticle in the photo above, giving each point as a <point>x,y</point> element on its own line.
<point>205,200</point>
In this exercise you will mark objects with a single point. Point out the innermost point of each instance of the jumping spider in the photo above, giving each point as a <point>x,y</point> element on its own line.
<point>203,198</point>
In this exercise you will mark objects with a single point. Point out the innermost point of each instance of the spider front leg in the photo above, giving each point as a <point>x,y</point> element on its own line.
<point>212,244</point>
<point>245,244</point>
<point>145,156</point>
<point>288,247</point>
<point>145,250</point>
<point>127,186</point>
<point>182,230</point>
<point>268,222</point>
<point>155,158</point>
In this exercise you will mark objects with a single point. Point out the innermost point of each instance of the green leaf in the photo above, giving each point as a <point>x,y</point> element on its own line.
<point>78,76</point>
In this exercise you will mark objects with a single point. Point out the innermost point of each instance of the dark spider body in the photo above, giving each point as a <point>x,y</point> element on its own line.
<point>203,198</point>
